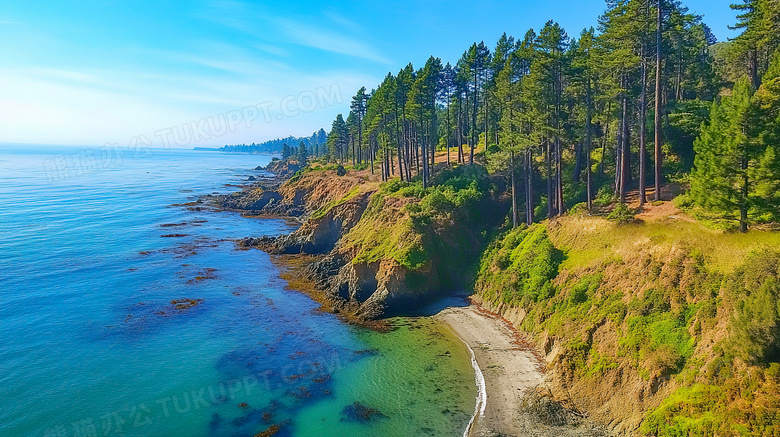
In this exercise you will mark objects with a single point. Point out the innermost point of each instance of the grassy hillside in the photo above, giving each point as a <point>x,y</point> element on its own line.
<point>665,325</point>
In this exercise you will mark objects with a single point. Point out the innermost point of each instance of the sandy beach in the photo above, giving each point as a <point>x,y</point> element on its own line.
<point>510,368</point>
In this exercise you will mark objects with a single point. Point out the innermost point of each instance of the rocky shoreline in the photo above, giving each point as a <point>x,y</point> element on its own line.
<point>362,291</point>
<point>518,395</point>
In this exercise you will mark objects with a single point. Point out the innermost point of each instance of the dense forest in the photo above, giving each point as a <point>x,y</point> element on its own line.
<point>315,145</point>
<point>646,98</point>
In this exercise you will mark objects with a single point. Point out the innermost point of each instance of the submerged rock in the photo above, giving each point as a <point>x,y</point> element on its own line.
<point>273,429</point>
<point>358,412</point>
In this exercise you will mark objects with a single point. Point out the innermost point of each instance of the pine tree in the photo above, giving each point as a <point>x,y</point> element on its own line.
<point>760,38</point>
<point>584,74</point>
<point>303,154</point>
<point>727,156</point>
<point>447,90</point>
<point>552,44</point>
<point>287,152</point>
<point>508,89</point>
<point>767,99</point>
<point>358,108</point>
<point>338,139</point>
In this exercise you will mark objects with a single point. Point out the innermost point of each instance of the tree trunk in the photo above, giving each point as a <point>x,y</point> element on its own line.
<point>529,195</point>
<point>743,203</point>
<point>575,177</point>
<point>460,133</point>
<point>558,86</point>
<point>588,121</point>
<point>605,139</point>
<point>354,157</point>
<point>398,143</point>
<point>425,166</point>
<point>474,137</point>
<point>618,155</point>
<point>752,66</point>
<point>449,131</point>
<point>525,183</point>
<point>625,164</point>
<point>371,155</point>
<point>360,139</point>
<point>550,193</point>
<point>514,189</point>
<point>658,157</point>
<point>486,120</point>
<point>409,152</point>
<point>642,129</point>
<point>495,125</point>
<point>559,176</point>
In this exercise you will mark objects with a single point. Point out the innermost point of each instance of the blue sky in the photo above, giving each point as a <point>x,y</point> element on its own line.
<point>107,71</point>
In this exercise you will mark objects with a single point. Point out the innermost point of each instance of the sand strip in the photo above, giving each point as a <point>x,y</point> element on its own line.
<point>510,368</point>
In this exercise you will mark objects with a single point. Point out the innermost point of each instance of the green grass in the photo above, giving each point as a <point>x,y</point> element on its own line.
<point>414,225</point>
<point>519,266</point>
<point>383,233</point>
<point>588,241</point>
<point>336,202</point>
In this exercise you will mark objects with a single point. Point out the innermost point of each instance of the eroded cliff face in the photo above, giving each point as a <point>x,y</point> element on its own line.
<point>377,289</point>
<point>284,169</point>
<point>377,255</point>
<point>640,325</point>
<point>298,197</point>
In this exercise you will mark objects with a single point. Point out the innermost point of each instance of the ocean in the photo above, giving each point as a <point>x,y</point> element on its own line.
<point>127,310</point>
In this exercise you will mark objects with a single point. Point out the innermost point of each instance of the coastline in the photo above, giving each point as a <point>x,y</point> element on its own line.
<point>514,397</point>
<point>509,369</point>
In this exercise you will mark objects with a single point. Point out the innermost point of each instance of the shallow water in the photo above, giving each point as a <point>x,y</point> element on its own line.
<point>109,329</point>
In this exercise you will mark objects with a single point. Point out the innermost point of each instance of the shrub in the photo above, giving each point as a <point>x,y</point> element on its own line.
<point>755,330</point>
<point>579,209</point>
<point>684,202</point>
<point>520,266</point>
<point>605,196</point>
<point>622,214</point>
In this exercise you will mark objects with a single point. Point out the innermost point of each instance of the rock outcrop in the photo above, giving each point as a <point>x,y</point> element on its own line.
<point>319,235</point>
<point>282,169</point>
<point>375,258</point>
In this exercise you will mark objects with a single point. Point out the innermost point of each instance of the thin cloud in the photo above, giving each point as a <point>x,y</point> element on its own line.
<point>343,21</point>
<point>308,36</point>
<point>271,49</point>
<point>241,18</point>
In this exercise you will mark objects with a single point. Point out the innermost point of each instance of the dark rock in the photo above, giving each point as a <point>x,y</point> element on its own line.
<point>358,412</point>
<point>264,242</point>
<point>322,271</point>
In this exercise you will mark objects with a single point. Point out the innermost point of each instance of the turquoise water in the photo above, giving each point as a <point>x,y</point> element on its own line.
<point>109,328</point>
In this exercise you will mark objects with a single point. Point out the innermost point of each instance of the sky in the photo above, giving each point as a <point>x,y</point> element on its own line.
<point>201,73</point>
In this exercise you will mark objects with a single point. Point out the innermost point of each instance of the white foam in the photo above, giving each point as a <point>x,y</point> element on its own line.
<point>479,378</point>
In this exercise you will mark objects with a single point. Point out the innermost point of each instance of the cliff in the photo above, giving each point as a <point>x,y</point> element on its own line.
<point>656,328</point>
<point>382,249</point>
